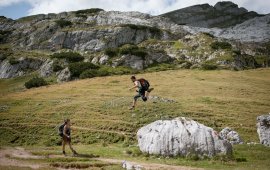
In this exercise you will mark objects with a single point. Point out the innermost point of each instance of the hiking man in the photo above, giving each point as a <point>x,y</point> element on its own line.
<point>143,90</point>
<point>64,132</point>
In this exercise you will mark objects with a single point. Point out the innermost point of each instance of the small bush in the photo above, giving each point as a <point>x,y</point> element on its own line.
<point>69,56</point>
<point>128,49</point>
<point>88,74</point>
<point>2,57</point>
<point>4,34</point>
<point>81,16</point>
<point>133,50</point>
<point>241,159</point>
<point>13,61</point>
<point>153,30</point>
<point>111,52</point>
<point>89,11</point>
<point>220,45</point>
<point>78,68</point>
<point>209,35</point>
<point>57,66</point>
<point>237,52</point>
<point>63,23</point>
<point>207,66</point>
<point>35,82</point>
<point>160,67</point>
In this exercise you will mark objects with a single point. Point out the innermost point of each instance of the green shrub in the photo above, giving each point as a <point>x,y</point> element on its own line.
<point>127,49</point>
<point>56,66</point>
<point>35,82</point>
<point>13,61</point>
<point>106,71</point>
<point>69,56</point>
<point>89,11</point>
<point>111,52</point>
<point>133,50</point>
<point>4,34</point>
<point>209,35</point>
<point>241,159</point>
<point>78,68</point>
<point>63,23</point>
<point>88,74</point>
<point>160,67</point>
<point>153,30</point>
<point>81,16</point>
<point>262,59</point>
<point>208,66</point>
<point>2,57</point>
<point>118,70</point>
<point>237,52</point>
<point>220,45</point>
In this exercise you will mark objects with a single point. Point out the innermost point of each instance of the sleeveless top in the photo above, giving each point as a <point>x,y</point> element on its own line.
<point>68,131</point>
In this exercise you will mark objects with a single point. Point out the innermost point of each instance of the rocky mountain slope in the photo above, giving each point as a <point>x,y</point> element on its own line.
<point>128,41</point>
<point>223,14</point>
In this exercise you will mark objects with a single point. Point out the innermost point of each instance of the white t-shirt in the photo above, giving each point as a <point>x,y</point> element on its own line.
<point>138,84</point>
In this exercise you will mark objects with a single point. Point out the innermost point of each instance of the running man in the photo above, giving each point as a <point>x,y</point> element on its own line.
<point>143,90</point>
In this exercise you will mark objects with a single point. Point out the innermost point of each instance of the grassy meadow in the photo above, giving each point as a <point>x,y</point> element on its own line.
<point>103,125</point>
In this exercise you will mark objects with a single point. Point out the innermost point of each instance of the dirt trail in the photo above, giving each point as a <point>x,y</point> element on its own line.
<point>9,157</point>
<point>18,157</point>
<point>149,166</point>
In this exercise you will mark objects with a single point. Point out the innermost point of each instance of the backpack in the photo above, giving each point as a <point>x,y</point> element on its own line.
<point>144,83</point>
<point>61,130</point>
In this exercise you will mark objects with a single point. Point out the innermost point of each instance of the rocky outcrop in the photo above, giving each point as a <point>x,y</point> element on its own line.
<point>91,33</point>
<point>223,14</point>
<point>140,63</point>
<point>46,69</point>
<point>232,136</point>
<point>253,30</point>
<point>181,136</point>
<point>63,75</point>
<point>19,67</point>
<point>263,129</point>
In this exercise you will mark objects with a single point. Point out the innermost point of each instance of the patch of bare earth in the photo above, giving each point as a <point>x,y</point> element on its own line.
<point>150,166</point>
<point>12,156</point>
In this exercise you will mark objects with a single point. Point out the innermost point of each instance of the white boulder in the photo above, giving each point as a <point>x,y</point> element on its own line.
<point>263,129</point>
<point>183,137</point>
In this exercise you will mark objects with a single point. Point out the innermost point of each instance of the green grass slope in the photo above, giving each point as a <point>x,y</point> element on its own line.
<point>98,109</point>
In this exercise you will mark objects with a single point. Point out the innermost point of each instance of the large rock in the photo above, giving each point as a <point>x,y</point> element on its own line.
<point>19,68</point>
<point>232,136</point>
<point>223,14</point>
<point>46,69</point>
<point>181,136</point>
<point>63,75</point>
<point>263,129</point>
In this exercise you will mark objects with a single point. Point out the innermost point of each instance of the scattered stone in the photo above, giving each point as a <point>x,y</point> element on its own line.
<point>232,136</point>
<point>183,137</point>
<point>263,129</point>
<point>130,166</point>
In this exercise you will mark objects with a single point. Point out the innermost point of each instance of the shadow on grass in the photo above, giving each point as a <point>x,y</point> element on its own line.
<point>87,156</point>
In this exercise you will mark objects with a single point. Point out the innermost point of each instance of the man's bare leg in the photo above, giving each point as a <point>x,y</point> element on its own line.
<point>71,148</point>
<point>63,147</point>
<point>133,105</point>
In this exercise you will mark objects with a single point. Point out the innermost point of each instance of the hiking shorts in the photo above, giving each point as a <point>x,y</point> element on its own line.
<point>66,139</point>
<point>141,93</point>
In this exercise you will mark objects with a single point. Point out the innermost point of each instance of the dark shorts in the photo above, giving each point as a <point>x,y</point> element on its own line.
<point>141,93</point>
<point>66,139</point>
